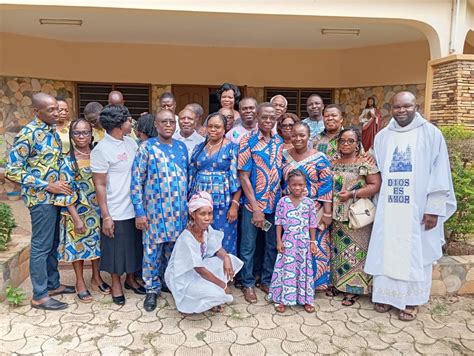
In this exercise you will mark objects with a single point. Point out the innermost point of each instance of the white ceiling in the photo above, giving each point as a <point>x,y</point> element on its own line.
<point>200,29</point>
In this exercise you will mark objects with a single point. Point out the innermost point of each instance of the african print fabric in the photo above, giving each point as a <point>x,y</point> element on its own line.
<point>318,175</point>
<point>263,160</point>
<point>323,143</point>
<point>315,127</point>
<point>217,174</point>
<point>292,279</point>
<point>34,162</point>
<point>64,137</point>
<point>159,188</point>
<point>319,188</point>
<point>349,246</point>
<point>73,246</point>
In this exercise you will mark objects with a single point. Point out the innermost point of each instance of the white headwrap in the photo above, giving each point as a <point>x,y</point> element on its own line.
<point>199,200</point>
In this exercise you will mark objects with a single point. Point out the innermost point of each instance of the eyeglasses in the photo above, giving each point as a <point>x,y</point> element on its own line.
<point>166,122</point>
<point>349,141</point>
<point>287,126</point>
<point>81,133</point>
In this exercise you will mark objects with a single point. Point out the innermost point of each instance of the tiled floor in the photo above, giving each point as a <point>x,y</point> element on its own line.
<point>444,326</point>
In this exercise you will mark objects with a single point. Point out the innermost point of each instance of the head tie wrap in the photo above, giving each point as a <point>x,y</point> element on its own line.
<point>199,200</point>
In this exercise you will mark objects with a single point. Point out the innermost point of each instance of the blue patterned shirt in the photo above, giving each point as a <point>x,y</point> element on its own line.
<point>315,126</point>
<point>159,188</point>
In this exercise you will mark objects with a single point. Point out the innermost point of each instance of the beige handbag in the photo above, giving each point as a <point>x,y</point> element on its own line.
<point>361,213</point>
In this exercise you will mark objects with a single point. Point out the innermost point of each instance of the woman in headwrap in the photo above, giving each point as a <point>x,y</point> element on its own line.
<point>199,269</point>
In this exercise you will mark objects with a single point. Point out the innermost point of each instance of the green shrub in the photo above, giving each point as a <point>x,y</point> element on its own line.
<point>14,296</point>
<point>460,143</point>
<point>7,224</point>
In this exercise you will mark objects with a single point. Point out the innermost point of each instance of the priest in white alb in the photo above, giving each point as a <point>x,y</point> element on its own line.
<point>415,200</point>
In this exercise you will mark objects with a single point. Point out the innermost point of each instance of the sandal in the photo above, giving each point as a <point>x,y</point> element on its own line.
<point>218,309</point>
<point>409,314</point>
<point>102,288</point>
<point>349,301</point>
<point>280,308</point>
<point>382,308</point>
<point>84,296</point>
<point>332,292</point>
<point>309,308</point>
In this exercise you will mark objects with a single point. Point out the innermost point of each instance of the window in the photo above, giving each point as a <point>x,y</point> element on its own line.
<point>137,97</point>
<point>297,98</point>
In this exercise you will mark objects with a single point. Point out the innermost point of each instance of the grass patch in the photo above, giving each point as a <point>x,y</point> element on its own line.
<point>201,335</point>
<point>440,309</point>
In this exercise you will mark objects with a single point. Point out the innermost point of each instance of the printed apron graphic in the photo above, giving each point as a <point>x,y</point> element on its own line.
<point>397,203</point>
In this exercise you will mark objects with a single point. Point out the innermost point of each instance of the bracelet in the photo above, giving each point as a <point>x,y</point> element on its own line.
<point>236,202</point>
<point>106,218</point>
<point>313,241</point>
<point>327,215</point>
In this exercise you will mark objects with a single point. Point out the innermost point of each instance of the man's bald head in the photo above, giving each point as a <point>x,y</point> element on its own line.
<point>403,95</point>
<point>45,108</point>
<point>163,114</point>
<point>116,98</point>
<point>404,107</point>
<point>41,99</point>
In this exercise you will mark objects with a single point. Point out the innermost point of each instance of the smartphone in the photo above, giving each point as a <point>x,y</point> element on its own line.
<point>266,225</point>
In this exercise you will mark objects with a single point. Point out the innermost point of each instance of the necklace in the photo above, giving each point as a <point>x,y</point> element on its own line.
<point>82,153</point>
<point>210,145</point>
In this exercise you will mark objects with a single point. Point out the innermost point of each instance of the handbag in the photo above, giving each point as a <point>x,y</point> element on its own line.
<point>361,213</point>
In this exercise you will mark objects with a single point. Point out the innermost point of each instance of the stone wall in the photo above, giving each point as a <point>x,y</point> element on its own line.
<point>353,100</point>
<point>452,100</point>
<point>453,275</point>
<point>16,107</point>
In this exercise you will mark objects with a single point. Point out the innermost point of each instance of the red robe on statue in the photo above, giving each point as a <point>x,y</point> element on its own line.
<point>370,129</point>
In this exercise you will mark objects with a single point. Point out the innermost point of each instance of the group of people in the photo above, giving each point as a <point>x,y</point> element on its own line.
<point>253,196</point>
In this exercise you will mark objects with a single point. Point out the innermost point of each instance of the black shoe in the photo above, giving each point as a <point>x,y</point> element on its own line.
<point>50,304</point>
<point>150,301</point>
<point>238,285</point>
<point>140,290</point>
<point>66,290</point>
<point>165,289</point>
<point>120,300</point>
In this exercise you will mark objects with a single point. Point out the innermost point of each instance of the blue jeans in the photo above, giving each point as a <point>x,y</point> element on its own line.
<point>44,244</point>
<point>248,244</point>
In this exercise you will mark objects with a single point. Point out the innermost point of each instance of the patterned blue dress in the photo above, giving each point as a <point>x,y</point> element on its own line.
<point>217,175</point>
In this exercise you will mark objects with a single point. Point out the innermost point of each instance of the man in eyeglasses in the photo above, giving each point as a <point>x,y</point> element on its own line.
<point>159,195</point>
<point>34,163</point>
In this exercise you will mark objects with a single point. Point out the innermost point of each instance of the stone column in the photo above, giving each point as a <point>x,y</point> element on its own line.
<point>450,91</point>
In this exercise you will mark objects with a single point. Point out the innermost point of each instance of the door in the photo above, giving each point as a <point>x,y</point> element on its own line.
<point>186,94</point>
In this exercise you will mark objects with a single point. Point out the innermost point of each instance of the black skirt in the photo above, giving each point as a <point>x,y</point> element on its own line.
<point>124,252</point>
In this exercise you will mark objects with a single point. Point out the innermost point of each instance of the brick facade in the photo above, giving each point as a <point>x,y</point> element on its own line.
<point>451,82</point>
